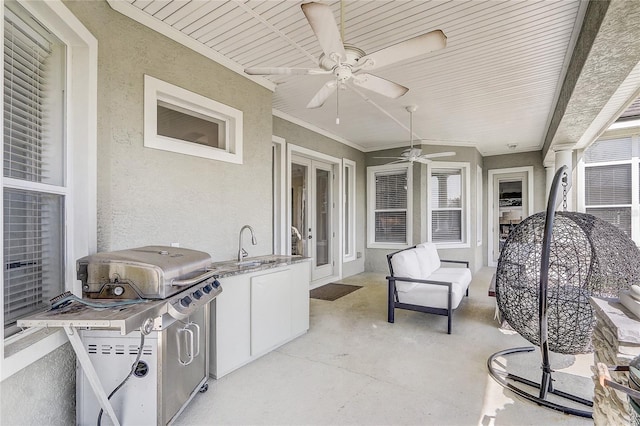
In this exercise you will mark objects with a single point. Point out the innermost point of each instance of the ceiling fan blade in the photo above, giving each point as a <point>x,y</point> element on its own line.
<point>416,46</point>
<point>380,85</point>
<point>284,71</point>
<point>324,26</point>
<point>422,160</point>
<point>390,158</point>
<point>438,154</point>
<point>323,94</point>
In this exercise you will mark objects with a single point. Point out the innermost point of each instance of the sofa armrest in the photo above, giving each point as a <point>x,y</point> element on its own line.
<point>463,262</point>
<point>415,280</point>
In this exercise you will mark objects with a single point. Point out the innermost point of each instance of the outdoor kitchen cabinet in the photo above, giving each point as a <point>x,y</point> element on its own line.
<point>256,313</point>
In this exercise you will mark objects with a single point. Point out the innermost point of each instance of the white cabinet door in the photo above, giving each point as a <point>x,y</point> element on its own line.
<point>300,298</point>
<point>230,326</point>
<point>270,310</point>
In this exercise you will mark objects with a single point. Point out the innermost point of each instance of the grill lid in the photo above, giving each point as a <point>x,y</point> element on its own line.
<point>149,271</point>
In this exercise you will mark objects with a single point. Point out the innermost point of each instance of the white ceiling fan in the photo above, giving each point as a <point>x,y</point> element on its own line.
<point>415,154</point>
<point>346,62</point>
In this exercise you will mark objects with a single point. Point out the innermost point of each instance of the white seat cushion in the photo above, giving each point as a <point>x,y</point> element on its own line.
<point>435,296</point>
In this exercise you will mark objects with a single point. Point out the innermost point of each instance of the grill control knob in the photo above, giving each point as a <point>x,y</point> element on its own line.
<point>197,294</point>
<point>207,289</point>
<point>118,291</point>
<point>216,283</point>
<point>185,301</point>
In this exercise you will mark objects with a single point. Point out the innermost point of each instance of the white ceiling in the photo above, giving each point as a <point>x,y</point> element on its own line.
<point>494,85</point>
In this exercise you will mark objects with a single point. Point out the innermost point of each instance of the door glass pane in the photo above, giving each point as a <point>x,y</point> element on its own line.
<point>510,208</point>
<point>299,187</point>
<point>322,217</point>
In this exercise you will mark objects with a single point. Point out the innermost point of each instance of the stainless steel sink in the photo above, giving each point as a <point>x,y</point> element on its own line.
<point>254,262</point>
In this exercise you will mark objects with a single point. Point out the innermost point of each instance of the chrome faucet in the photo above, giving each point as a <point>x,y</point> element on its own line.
<point>242,252</point>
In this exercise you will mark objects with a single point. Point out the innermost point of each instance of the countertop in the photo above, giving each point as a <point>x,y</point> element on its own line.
<point>254,264</point>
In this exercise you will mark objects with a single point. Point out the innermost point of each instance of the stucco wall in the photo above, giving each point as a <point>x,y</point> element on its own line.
<point>43,393</point>
<point>148,196</point>
<point>297,135</point>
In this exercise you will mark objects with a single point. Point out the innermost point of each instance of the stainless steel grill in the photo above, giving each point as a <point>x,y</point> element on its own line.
<point>174,287</point>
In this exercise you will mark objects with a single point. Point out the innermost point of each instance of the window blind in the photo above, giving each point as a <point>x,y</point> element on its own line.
<point>391,207</point>
<point>446,205</point>
<point>32,220</point>
<point>606,185</point>
<point>617,216</point>
<point>25,70</point>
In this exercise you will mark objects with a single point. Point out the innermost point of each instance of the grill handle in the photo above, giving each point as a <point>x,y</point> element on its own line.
<point>194,280</point>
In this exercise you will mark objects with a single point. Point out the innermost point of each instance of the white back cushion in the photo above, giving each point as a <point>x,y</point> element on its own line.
<point>405,264</point>
<point>429,250</point>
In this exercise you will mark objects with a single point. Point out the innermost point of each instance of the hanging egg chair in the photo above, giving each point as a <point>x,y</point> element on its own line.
<point>549,267</point>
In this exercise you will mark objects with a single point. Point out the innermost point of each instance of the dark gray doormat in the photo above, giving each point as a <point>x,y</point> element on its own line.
<point>333,291</point>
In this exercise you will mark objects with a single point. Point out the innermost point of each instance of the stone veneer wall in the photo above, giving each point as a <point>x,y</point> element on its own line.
<point>616,340</point>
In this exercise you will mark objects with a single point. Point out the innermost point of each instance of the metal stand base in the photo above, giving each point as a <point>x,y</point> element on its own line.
<point>502,379</point>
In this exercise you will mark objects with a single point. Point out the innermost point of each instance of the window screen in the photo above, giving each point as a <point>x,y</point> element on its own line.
<point>33,219</point>
<point>391,207</point>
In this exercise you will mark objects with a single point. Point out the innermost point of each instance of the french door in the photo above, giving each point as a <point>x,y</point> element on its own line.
<point>312,204</point>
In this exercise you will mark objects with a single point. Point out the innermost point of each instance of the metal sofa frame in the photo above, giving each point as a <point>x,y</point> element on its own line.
<point>393,301</point>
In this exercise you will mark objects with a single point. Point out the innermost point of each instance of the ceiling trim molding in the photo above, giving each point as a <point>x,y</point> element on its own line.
<point>316,129</point>
<point>138,15</point>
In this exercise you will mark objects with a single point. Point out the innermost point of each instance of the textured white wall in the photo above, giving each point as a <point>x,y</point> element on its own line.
<point>147,196</point>
<point>43,393</point>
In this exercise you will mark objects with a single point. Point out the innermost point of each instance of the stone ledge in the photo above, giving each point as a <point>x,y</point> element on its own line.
<point>618,318</point>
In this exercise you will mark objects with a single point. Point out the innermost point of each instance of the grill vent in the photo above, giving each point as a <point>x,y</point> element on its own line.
<point>105,349</point>
<point>146,350</point>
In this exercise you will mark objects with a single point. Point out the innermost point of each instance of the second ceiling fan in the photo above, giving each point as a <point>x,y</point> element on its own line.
<point>346,62</point>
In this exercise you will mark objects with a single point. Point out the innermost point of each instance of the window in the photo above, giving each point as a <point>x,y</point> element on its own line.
<point>349,211</point>
<point>187,123</point>
<point>390,204</point>
<point>479,206</point>
<point>49,167</point>
<point>447,201</point>
<point>611,189</point>
<point>33,184</point>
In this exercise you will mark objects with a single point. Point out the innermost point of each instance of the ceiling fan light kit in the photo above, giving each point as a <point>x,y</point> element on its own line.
<point>345,61</point>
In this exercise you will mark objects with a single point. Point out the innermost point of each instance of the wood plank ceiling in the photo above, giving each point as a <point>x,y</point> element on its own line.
<point>494,85</point>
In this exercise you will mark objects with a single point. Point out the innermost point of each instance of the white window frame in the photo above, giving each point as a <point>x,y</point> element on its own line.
<point>634,134</point>
<point>371,206</point>
<point>478,206</point>
<point>156,91</point>
<point>466,219</point>
<point>26,347</point>
<point>349,200</point>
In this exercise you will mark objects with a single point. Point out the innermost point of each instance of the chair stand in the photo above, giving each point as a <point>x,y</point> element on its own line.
<point>545,388</point>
